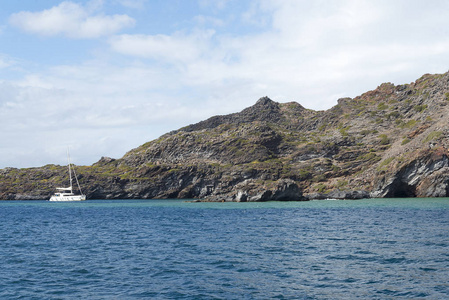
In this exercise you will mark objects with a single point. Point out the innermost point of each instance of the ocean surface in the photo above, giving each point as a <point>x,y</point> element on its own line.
<point>170,249</point>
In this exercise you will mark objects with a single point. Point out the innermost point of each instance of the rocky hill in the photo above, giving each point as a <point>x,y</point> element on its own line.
<point>389,142</point>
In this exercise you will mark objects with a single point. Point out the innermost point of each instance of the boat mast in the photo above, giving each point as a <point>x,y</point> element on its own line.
<point>70,171</point>
<point>77,182</point>
<point>74,173</point>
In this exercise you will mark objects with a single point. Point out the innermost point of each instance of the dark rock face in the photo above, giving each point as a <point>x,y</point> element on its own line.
<point>426,176</point>
<point>265,110</point>
<point>389,142</point>
<point>251,191</point>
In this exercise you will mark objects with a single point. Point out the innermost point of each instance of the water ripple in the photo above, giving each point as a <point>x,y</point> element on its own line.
<point>173,250</point>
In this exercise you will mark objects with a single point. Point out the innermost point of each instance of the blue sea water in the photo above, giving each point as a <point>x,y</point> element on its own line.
<point>170,249</point>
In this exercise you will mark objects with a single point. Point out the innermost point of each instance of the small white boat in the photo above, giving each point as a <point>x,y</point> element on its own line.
<point>66,193</point>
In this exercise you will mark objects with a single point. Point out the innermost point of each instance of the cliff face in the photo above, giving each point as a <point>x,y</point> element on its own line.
<point>389,142</point>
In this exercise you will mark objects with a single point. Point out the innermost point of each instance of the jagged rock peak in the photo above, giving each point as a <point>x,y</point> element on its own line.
<point>266,102</point>
<point>104,160</point>
<point>265,109</point>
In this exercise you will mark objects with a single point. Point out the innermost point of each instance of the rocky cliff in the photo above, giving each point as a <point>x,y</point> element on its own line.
<point>389,142</point>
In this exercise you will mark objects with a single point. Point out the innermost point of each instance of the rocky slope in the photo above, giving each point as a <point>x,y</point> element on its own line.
<point>389,142</point>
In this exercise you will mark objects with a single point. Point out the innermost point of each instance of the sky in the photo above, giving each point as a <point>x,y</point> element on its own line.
<point>102,77</point>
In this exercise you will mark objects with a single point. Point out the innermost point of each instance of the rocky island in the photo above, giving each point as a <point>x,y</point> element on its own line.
<point>388,142</point>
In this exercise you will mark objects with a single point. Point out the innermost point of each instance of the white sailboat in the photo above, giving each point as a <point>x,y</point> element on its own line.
<point>66,193</point>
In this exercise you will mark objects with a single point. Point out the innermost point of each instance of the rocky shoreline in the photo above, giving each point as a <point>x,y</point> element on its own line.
<point>389,142</point>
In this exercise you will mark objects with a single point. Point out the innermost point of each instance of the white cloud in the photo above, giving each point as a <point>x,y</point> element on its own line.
<point>71,20</point>
<point>174,48</point>
<point>100,109</point>
<point>346,46</point>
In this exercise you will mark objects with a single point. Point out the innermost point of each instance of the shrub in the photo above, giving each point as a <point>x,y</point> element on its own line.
<point>409,124</point>
<point>371,156</point>
<point>322,127</point>
<point>433,136</point>
<point>365,132</point>
<point>382,106</point>
<point>394,115</point>
<point>405,141</point>
<point>320,188</point>
<point>304,174</point>
<point>343,131</point>
<point>385,163</point>
<point>384,140</point>
<point>420,108</point>
<point>319,178</point>
<point>342,183</point>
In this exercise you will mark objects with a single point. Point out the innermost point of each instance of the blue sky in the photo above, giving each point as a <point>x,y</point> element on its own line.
<point>105,76</point>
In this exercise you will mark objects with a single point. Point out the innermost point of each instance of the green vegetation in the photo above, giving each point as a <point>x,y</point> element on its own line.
<point>382,106</point>
<point>343,130</point>
<point>393,115</point>
<point>341,183</point>
<point>319,178</point>
<point>371,156</point>
<point>385,163</point>
<point>304,174</point>
<point>321,188</point>
<point>407,125</point>
<point>433,136</point>
<point>420,108</point>
<point>322,127</point>
<point>405,141</point>
<point>384,140</point>
<point>366,132</point>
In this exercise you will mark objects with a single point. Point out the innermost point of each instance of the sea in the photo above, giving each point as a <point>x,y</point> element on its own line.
<point>173,249</point>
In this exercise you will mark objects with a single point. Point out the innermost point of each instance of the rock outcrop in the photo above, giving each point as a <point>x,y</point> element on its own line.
<point>389,142</point>
<point>425,176</point>
<point>252,191</point>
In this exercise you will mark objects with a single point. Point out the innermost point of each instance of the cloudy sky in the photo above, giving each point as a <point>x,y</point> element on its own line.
<point>105,76</point>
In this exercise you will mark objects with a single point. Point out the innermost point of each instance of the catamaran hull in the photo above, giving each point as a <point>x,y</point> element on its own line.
<point>68,198</point>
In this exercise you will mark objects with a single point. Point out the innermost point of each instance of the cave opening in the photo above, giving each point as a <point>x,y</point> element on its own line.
<point>400,189</point>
